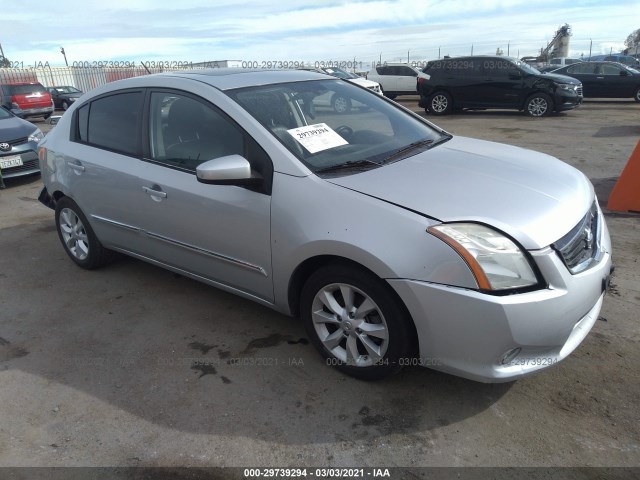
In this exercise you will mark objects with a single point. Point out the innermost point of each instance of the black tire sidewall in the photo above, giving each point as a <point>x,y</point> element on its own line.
<point>95,256</point>
<point>394,313</point>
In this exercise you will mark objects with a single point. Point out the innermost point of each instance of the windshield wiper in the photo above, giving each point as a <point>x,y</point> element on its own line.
<point>418,145</point>
<point>348,165</point>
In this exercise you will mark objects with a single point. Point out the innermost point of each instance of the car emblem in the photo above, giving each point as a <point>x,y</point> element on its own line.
<point>5,147</point>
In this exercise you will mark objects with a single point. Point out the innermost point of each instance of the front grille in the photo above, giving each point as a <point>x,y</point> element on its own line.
<point>579,90</point>
<point>579,247</point>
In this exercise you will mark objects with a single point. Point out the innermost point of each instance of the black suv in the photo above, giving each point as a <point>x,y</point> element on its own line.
<point>495,82</point>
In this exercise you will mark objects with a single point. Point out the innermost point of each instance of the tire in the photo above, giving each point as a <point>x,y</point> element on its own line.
<point>65,105</point>
<point>636,95</point>
<point>440,103</point>
<point>47,115</point>
<point>538,105</point>
<point>390,97</point>
<point>341,104</point>
<point>341,337</point>
<point>77,236</point>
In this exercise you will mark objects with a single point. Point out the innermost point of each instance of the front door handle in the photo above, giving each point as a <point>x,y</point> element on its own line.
<point>154,193</point>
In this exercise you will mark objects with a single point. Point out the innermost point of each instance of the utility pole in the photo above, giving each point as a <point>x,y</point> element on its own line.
<point>590,46</point>
<point>408,57</point>
<point>508,45</point>
<point>472,49</point>
<point>64,55</point>
<point>438,53</point>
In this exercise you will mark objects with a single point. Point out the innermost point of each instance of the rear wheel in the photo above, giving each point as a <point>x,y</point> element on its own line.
<point>636,96</point>
<point>77,236</point>
<point>65,105</point>
<point>538,105</point>
<point>355,322</point>
<point>440,103</point>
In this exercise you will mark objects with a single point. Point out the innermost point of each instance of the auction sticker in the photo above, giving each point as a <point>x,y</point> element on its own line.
<point>317,138</point>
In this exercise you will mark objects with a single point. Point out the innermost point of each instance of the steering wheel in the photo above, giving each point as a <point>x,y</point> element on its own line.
<point>344,131</point>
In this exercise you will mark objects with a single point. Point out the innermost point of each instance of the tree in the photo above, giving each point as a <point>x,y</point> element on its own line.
<point>633,40</point>
<point>4,62</point>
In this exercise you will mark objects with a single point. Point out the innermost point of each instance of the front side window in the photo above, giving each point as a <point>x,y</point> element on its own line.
<point>609,70</point>
<point>112,122</point>
<point>370,131</point>
<point>185,132</point>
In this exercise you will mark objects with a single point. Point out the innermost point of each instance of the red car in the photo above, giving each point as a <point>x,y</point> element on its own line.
<point>26,99</point>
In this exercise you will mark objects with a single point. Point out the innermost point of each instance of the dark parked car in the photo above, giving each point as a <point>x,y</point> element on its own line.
<point>605,79</point>
<point>64,96</point>
<point>18,145</point>
<point>26,99</point>
<point>495,82</point>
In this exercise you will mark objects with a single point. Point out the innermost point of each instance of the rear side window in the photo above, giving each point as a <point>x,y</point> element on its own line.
<point>112,122</point>
<point>581,68</point>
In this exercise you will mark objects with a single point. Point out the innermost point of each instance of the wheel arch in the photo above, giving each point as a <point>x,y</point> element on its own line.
<point>305,269</point>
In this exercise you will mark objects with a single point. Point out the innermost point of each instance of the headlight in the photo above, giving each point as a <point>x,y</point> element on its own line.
<point>496,262</point>
<point>566,86</point>
<point>36,135</point>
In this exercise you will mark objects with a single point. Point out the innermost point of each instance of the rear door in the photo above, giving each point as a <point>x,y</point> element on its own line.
<point>406,79</point>
<point>102,163</point>
<point>586,73</point>
<point>502,83</point>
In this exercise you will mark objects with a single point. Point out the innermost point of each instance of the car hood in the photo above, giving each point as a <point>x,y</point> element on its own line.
<point>556,77</point>
<point>531,196</point>
<point>13,128</point>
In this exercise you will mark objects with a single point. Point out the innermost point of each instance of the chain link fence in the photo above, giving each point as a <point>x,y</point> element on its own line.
<point>84,79</point>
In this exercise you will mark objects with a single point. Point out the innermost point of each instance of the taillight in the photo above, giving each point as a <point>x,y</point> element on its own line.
<point>421,80</point>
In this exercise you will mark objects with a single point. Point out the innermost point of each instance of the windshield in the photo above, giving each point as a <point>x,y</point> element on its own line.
<point>527,68</point>
<point>328,123</point>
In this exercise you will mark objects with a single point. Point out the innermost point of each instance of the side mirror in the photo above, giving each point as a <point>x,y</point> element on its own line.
<point>624,73</point>
<point>229,170</point>
<point>53,119</point>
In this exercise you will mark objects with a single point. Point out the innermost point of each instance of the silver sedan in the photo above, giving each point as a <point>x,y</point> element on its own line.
<point>394,242</point>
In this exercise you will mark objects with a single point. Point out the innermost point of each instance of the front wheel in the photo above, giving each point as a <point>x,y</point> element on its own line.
<point>636,96</point>
<point>65,105</point>
<point>355,322</point>
<point>440,103</point>
<point>77,236</point>
<point>538,105</point>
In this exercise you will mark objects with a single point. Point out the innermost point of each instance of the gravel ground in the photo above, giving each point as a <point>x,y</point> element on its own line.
<point>132,365</point>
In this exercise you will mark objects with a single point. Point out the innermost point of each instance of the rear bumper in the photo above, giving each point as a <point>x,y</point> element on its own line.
<point>32,112</point>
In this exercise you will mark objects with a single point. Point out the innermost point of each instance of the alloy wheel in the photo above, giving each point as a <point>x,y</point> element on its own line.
<point>74,234</point>
<point>350,325</point>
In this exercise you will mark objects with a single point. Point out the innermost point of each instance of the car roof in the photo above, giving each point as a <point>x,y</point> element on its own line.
<point>229,78</point>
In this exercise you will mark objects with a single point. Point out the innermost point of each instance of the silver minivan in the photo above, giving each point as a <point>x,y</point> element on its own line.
<point>395,242</point>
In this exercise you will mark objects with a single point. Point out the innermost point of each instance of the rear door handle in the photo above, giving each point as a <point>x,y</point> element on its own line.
<point>154,193</point>
<point>76,167</point>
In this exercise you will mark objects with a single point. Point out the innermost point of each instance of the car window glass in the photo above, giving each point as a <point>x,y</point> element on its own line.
<point>609,70</point>
<point>581,68</point>
<point>407,71</point>
<point>184,132</point>
<point>460,68</point>
<point>113,122</point>
<point>498,69</point>
<point>83,123</point>
<point>381,70</point>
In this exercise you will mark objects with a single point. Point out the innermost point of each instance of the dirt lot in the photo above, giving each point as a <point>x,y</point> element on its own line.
<point>101,368</point>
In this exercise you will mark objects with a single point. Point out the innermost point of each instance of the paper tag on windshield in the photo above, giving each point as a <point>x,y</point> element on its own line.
<point>317,138</point>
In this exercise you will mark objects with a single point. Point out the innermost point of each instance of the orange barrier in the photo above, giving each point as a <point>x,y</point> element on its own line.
<point>625,196</point>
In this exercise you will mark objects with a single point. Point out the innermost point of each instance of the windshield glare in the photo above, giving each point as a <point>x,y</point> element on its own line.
<point>338,72</point>
<point>527,68</point>
<point>326,123</point>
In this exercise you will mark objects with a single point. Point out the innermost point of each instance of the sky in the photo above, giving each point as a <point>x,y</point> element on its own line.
<point>307,31</point>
